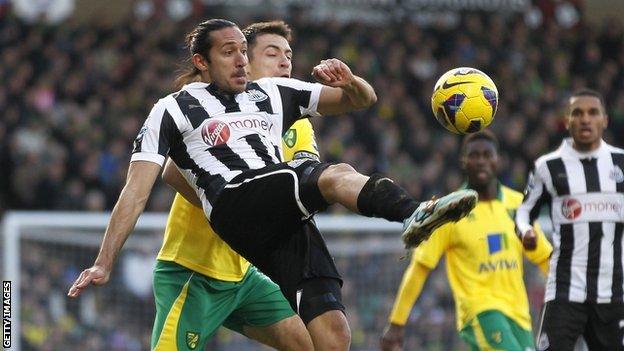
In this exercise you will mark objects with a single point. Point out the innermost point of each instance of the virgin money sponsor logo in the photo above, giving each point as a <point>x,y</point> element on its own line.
<point>215,132</point>
<point>251,123</point>
<point>571,208</point>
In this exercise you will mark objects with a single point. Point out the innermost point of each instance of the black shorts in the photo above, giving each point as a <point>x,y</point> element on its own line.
<point>264,215</point>
<point>306,273</point>
<point>601,325</point>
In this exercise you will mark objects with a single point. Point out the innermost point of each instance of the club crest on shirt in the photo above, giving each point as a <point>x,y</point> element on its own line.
<point>497,336</point>
<point>256,95</point>
<point>616,174</point>
<point>290,137</point>
<point>215,132</point>
<point>192,339</point>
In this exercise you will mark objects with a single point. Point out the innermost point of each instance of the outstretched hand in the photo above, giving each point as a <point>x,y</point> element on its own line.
<point>95,275</point>
<point>333,73</point>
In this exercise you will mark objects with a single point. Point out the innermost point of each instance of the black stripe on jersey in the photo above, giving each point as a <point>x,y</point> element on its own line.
<point>264,105</point>
<point>229,158</point>
<point>617,293</point>
<point>227,100</point>
<point>166,133</point>
<point>564,263</point>
<point>559,176</point>
<point>260,149</point>
<point>211,184</point>
<point>544,200</point>
<point>292,101</point>
<point>277,153</point>
<point>593,260</point>
<point>592,180</point>
<point>191,108</point>
<point>618,161</point>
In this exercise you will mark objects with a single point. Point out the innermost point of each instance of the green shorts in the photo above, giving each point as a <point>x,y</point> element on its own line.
<point>492,330</point>
<point>190,307</point>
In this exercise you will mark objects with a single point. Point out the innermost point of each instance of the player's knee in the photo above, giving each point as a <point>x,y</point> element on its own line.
<point>330,331</point>
<point>334,176</point>
<point>340,338</point>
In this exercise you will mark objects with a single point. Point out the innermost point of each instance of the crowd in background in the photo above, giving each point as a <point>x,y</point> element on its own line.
<point>73,98</point>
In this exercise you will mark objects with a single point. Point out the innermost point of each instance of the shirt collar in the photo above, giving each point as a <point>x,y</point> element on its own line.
<point>499,189</point>
<point>567,149</point>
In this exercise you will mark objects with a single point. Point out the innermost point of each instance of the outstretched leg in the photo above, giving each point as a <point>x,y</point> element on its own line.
<point>377,196</point>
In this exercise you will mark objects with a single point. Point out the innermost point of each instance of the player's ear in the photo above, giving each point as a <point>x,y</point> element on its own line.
<point>566,121</point>
<point>200,62</point>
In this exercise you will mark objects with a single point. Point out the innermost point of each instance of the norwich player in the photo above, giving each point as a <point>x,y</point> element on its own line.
<point>484,262</point>
<point>190,244</point>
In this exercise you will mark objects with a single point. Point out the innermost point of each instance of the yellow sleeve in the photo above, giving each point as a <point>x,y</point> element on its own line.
<point>542,252</point>
<point>429,252</point>
<point>424,258</point>
<point>299,141</point>
<point>413,280</point>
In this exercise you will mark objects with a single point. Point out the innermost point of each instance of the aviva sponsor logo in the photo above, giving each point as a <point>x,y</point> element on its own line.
<point>497,265</point>
<point>497,242</point>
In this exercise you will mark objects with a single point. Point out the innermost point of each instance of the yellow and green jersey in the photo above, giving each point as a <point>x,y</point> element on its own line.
<point>299,141</point>
<point>192,243</point>
<point>484,260</point>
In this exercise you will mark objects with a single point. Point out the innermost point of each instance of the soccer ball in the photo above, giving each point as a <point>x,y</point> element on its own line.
<point>464,100</point>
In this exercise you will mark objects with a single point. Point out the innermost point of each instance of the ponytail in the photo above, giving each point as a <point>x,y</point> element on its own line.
<point>188,75</point>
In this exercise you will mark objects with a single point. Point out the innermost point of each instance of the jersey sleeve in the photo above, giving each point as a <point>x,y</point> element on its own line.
<point>299,141</point>
<point>542,251</point>
<point>155,137</point>
<point>299,99</point>
<point>429,252</point>
<point>535,196</point>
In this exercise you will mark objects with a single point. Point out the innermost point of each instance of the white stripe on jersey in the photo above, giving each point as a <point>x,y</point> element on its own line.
<point>549,294</point>
<point>605,276</point>
<point>579,264</point>
<point>576,176</point>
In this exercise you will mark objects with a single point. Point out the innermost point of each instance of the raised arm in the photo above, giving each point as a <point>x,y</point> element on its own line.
<point>130,205</point>
<point>343,91</point>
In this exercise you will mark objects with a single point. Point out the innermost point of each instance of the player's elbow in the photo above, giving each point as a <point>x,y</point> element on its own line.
<point>368,101</point>
<point>168,176</point>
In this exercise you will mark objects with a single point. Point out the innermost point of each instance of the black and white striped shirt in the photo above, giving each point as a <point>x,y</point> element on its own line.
<point>585,192</point>
<point>212,137</point>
